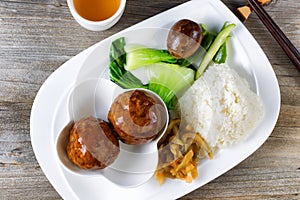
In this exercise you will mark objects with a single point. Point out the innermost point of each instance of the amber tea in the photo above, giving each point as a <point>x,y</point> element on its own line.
<point>96,10</point>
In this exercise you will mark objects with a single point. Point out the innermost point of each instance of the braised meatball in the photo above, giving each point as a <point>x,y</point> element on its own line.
<point>137,116</point>
<point>92,144</point>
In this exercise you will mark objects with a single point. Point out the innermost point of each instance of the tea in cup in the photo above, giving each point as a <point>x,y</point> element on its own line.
<point>97,15</point>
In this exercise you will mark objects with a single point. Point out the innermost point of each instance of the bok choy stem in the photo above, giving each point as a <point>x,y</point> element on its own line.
<point>213,49</point>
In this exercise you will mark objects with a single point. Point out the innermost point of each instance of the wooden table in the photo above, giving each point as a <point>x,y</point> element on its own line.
<point>37,36</point>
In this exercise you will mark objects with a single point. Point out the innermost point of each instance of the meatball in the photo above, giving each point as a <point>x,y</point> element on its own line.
<point>137,116</point>
<point>92,144</point>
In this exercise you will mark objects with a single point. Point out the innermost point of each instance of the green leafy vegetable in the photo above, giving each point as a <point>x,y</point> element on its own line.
<point>214,47</point>
<point>169,80</point>
<point>208,39</point>
<point>138,56</point>
<point>117,72</point>
<point>221,55</point>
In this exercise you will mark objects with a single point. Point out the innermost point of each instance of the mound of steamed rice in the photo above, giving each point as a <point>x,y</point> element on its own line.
<point>221,106</point>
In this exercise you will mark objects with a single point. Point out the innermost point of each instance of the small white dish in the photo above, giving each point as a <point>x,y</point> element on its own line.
<point>135,164</point>
<point>97,25</point>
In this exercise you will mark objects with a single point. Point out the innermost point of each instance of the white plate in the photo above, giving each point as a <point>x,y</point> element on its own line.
<point>49,110</point>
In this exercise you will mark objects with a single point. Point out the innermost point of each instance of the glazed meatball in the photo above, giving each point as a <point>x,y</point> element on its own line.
<point>137,117</point>
<point>92,144</point>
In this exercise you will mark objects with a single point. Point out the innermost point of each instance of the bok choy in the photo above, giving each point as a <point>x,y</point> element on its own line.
<point>221,55</point>
<point>214,48</point>
<point>117,72</point>
<point>169,80</point>
<point>139,56</point>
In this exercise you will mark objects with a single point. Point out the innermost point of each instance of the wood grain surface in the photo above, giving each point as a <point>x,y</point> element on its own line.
<point>37,36</point>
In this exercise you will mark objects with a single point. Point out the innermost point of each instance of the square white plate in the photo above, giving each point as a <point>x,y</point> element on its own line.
<point>49,110</point>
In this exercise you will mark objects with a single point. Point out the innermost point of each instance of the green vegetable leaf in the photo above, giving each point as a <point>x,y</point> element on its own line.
<point>169,80</point>
<point>221,55</point>
<point>118,74</point>
<point>214,47</point>
<point>207,40</point>
<point>139,56</point>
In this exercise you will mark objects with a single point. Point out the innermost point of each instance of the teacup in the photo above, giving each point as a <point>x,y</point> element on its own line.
<point>98,25</point>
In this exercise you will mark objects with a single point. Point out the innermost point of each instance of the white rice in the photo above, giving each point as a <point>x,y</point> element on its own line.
<point>221,106</point>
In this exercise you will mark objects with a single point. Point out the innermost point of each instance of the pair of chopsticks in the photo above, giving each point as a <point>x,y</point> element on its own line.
<point>277,33</point>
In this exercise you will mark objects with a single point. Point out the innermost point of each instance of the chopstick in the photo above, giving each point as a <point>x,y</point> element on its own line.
<point>277,33</point>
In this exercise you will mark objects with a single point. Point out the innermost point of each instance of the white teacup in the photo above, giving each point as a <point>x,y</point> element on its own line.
<point>97,25</point>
